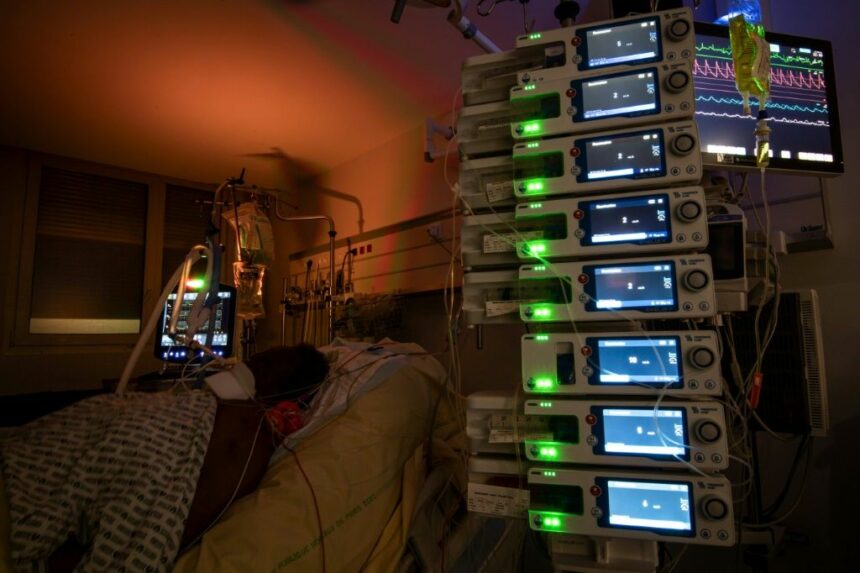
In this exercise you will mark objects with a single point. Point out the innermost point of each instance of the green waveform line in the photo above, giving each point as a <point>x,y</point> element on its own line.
<point>714,48</point>
<point>813,63</point>
<point>806,63</point>
<point>770,105</point>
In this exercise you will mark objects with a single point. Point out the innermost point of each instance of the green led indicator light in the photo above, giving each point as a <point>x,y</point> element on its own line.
<point>534,186</point>
<point>536,248</point>
<point>534,36</point>
<point>543,312</point>
<point>533,144</point>
<point>549,474</point>
<point>535,205</point>
<point>194,283</point>
<point>531,128</point>
<point>539,268</point>
<point>544,383</point>
<point>530,87</point>
<point>551,522</point>
<point>549,452</point>
<point>546,404</point>
<point>542,337</point>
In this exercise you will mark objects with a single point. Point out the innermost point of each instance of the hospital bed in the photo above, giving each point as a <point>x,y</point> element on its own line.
<point>377,469</point>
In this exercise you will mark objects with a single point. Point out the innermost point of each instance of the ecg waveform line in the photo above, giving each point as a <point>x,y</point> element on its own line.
<point>773,119</point>
<point>778,76</point>
<point>811,64</point>
<point>770,105</point>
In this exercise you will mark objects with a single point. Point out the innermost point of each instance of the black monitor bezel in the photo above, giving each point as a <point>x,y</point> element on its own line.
<point>228,349</point>
<point>796,166</point>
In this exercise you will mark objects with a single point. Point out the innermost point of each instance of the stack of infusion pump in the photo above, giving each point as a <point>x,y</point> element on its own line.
<point>585,220</point>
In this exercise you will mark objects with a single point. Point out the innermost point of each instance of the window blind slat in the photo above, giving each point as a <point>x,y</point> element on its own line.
<point>91,207</point>
<point>88,262</point>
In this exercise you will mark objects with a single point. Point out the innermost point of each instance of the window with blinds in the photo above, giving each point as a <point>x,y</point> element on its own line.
<point>186,218</point>
<point>88,264</point>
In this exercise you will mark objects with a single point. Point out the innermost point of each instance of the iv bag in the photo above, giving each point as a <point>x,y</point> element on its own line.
<point>248,280</point>
<point>750,53</point>
<point>255,234</point>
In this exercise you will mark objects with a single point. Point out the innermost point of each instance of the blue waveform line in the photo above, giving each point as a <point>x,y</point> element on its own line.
<point>773,119</point>
<point>770,105</point>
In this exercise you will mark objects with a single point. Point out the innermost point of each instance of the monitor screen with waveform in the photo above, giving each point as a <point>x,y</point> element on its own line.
<point>803,112</point>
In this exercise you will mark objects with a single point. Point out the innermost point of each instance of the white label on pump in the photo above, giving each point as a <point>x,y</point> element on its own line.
<point>500,191</point>
<point>495,500</point>
<point>507,436</point>
<point>506,242</point>
<point>501,307</point>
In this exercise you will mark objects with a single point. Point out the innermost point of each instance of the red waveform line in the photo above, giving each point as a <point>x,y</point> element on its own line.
<point>778,76</point>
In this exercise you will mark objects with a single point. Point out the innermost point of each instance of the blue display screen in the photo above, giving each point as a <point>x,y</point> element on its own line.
<point>637,220</point>
<point>636,155</point>
<point>659,506</point>
<point>222,336</point>
<point>648,287</point>
<point>633,42</point>
<point>621,94</point>
<point>642,431</point>
<point>636,360</point>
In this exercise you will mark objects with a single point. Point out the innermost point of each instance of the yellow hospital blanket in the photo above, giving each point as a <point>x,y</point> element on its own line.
<point>366,467</point>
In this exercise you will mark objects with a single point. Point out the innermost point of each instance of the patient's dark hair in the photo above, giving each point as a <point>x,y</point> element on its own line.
<point>287,372</point>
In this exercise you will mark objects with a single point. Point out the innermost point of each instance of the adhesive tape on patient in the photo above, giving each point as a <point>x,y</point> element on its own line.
<point>234,384</point>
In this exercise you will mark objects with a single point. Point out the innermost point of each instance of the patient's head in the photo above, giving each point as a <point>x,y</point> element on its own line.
<point>287,372</point>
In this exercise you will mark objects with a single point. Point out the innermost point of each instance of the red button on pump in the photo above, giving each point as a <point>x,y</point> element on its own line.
<point>574,152</point>
<point>591,419</point>
<point>596,491</point>
<point>583,278</point>
<point>578,214</point>
<point>570,92</point>
<point>576,40</point>
<point>586,350</point>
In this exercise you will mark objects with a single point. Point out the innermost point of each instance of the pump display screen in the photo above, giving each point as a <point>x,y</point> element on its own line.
<point>636,155</point>
<point>648,287</point>
<point>653,361</point>
<point>637,220</point>
<point>663,507</point>
<point>641,432</point>
<point>626,94</point>
<point>636,42</point>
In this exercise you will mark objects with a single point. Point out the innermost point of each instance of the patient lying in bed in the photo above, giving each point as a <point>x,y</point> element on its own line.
<point>239,446</point>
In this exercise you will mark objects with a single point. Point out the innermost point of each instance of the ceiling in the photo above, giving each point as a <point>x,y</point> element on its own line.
<point>189,88</point>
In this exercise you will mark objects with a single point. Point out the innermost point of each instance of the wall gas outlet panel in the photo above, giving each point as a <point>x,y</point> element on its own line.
<point>671,363</point>
<point>632,504</point>
<point>675,286</point>
<point>643,434</point>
